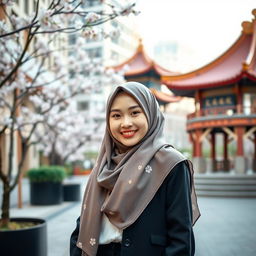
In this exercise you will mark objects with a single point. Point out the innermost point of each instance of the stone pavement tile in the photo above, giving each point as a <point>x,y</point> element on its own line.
<point>227,227</point>
<point>45,212</point>
<point>59,230</point>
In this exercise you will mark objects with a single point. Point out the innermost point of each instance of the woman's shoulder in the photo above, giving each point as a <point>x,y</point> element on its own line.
<point>168,157</point>
<point>169,154</point>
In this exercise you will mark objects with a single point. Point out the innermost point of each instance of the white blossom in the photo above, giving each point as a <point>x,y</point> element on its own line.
<point>92,17</point>
<point>50,109</point>
<point>47,20</point>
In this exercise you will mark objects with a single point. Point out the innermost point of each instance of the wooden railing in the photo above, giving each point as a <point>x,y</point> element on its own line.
<point>228,110</point>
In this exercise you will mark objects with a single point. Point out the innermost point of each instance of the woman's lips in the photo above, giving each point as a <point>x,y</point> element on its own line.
<point>128,134</point>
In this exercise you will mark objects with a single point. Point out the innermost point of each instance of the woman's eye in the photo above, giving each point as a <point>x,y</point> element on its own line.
<point>115,116</point>
<point>135,113</point>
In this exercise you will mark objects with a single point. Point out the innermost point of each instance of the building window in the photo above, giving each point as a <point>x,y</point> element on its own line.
<point>34,7</point>
<point>26,7</point>
<point>72,39</point>
<point>82,105</point>
<point>95,52</point>
<point>90,3</point>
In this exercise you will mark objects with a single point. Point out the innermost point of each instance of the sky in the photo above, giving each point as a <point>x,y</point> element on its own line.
<point>204,28</point>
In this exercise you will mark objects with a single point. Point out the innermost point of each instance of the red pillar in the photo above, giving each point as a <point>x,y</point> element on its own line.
<point>240,147</point>
<point>255,145</point>
<point>198,144</point>
<point>213,152</point>
<point>213,146</point>
<point>226,166</point>
<point>225,142</point>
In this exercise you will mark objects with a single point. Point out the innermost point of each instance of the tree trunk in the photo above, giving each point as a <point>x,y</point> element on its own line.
<point>6,205</point>
<point>55,159</point>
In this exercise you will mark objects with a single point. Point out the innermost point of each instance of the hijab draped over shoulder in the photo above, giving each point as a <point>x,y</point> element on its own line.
<point>122,185</point>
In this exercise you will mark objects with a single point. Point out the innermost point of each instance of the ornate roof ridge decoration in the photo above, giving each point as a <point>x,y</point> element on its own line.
<point>235,63</point>
<point>140,63</point>
<point>165,97</point>
<point>250,62</point>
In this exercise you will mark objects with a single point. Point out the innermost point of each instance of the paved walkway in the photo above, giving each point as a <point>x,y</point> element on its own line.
<point>227,227</point>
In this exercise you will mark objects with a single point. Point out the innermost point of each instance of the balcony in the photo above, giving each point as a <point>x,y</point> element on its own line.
<point>227,116</point>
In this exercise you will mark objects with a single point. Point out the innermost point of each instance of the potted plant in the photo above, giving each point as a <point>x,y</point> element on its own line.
<point>46,185</point>
<point>24,236</point>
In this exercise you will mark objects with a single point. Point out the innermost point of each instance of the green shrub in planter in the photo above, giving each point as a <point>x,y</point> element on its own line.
<point>47,173</point>
<point>46,185</point>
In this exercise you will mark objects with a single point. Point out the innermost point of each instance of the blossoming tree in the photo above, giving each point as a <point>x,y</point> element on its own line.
<point>35,103</point>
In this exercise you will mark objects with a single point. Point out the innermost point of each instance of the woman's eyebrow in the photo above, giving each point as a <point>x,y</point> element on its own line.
<point>132,107</point>
<point>118,110</point>
<point>114,110</point>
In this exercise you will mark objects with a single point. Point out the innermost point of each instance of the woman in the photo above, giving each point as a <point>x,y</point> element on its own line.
<point>140,197</point>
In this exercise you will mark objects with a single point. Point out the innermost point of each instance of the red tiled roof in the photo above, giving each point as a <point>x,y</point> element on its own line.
<point>140,63</point>
<point>237,62</point>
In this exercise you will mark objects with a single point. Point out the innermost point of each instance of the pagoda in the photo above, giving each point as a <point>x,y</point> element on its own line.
<point>141,68</point>
<point>225,104</point>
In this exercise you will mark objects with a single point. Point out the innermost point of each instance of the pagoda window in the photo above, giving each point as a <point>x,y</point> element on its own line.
<point>249,103</point>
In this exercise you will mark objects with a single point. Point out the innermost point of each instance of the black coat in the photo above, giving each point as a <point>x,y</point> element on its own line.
<point>164,227</point>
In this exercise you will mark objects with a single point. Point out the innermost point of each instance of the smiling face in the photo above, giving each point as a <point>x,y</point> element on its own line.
<point>127,120</point>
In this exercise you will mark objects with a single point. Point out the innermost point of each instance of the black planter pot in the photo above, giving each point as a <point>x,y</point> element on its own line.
<point>25,242</point>
<point>46,193</point>
<point>71,192</point>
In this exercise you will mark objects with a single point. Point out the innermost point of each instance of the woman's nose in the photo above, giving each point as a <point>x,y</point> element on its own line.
<point>126,122</point>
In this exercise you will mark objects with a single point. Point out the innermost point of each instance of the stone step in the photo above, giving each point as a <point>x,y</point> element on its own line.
<point>225,182</point>
<point>227,194</point>
<point>225,185</point>
<point>224,176</point>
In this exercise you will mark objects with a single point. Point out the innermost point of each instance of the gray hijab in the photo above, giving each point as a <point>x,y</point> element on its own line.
<point>124,189</point>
